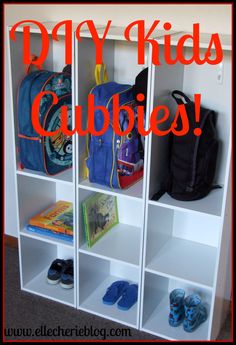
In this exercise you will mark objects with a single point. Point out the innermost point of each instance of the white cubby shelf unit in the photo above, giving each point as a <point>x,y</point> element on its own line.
<point>160,245</point>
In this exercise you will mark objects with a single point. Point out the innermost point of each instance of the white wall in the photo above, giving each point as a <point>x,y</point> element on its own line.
<point>212,18</point>
<point>215,18</point>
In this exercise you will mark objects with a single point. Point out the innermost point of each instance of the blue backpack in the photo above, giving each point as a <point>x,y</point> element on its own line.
<point>53,154</point>
<point>113,160</point>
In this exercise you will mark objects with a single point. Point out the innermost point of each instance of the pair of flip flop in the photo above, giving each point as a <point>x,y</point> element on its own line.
<point>189,310</point>
<point>121,290</point>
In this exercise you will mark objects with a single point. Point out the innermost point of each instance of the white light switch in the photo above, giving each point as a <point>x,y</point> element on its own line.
<point>220,73</point>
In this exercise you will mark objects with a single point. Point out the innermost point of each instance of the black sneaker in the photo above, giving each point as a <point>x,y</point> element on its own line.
<point>55,271</point>
<point>67,276</point>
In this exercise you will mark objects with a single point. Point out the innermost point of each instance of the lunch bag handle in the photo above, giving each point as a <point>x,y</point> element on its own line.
<point>100,73</point>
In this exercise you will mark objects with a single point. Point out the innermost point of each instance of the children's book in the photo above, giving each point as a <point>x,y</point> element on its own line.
<point>100,215</point>
<point>49,233</point>
<point>57,217</point>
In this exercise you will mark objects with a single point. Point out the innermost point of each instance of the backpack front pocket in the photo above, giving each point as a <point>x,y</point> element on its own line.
<point>31,153</point>
<point>100,162</point>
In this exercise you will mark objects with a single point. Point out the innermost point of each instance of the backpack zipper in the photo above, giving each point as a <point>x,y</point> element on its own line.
<point>30,138</point>
<point>44,127</point>
<point>113,141</point>
<point>88,135</point>
<point>119,143</point>
<point>46,115</point>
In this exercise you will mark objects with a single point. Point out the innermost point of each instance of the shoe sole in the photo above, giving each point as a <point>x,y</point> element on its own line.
<point>177,324</point>
<point>66,286</point>
<point>190,330</point>
<point>53,282</point>
<point>108,303</point>
<point>126,308</point>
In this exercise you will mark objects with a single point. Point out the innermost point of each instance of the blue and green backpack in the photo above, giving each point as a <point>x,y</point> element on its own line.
<point>48,154</point>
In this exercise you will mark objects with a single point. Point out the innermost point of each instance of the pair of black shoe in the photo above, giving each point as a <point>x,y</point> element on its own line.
<point>61,271</point>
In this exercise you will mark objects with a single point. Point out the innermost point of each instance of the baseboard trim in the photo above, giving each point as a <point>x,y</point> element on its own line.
<point>10,241</point>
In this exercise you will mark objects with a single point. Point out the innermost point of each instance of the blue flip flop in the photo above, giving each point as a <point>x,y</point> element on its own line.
<point>114,292</point>
<point>129,297</point>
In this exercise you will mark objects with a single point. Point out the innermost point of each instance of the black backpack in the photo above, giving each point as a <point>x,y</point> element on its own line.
<point>140,86</point>
<point>192,160</point>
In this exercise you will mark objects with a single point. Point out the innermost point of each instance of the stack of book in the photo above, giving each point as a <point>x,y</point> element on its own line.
<point>55,221</point>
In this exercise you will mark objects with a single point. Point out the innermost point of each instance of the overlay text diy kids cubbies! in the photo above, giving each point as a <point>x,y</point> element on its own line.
<point>143,39</point>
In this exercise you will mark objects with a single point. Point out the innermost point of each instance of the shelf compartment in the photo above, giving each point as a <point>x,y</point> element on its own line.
<point>94,304</point>
<point>181,77</point>
<point>182,245</point>
<point>134,192</point>
<point>121,243</point>
<point>39,286</point>
<point>95,276</point>
<point>211,204</point>
<point>186,260</point>
<point>36,258</point>
<point>119,56</point>
<point>54,62</point>
<point>34,196</point>
<point>63,177</point>
<point>45,238</point>
<point>156,309</point>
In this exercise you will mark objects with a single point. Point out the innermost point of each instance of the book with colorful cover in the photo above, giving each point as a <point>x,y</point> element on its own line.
<point>57,218</point>
<point>49,233</point>
<point>100,214</point>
